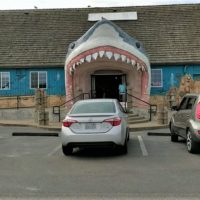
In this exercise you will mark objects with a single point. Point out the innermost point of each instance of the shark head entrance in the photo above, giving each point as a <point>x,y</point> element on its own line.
<point>105,47</point>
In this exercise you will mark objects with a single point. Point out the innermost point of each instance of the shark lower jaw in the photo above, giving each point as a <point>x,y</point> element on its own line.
<point>106,52</point>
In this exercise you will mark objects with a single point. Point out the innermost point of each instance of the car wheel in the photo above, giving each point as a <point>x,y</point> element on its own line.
<point>67,150</point>
<point>174,136</point>
<point>190,143</point>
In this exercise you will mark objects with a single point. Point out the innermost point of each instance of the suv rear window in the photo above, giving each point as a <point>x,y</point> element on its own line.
<point>93,107</point>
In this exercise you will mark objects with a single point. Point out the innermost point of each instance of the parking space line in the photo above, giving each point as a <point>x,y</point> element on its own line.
<point>54,151</point>
<point>142,146</point>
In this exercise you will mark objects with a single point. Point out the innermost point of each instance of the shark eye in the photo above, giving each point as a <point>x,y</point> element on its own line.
<point>72,45</point>
<point>137,45</point>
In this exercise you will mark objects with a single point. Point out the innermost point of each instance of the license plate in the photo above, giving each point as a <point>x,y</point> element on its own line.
<point>90,126</point>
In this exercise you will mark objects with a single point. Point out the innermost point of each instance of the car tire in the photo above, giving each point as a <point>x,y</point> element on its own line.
<point>174,136</point>
<point>67,150</point>
<point>190,143</point>
<point>128,135</point>
<point>124,148</point>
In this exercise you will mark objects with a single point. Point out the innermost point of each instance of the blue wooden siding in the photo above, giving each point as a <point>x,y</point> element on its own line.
<point>20,81</point>
<point>172,76</point>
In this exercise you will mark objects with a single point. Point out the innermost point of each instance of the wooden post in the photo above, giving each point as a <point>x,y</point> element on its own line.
<point>41,117</point>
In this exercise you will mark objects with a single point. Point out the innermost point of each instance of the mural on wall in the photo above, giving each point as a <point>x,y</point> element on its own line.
<point>187,85</point>
<point>106,47</point>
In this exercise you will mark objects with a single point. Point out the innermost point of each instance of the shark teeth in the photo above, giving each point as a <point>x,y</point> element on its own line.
<point>82,60</point>
<point>116,56</point>
<point>74,67</point>
<point>123,57</point>
<point>70,70</point>
<point>128,61</point>
<point>88,58</point>
<point>109,55</point>
<point>94,56</point>
<point>138,65</point>
<point>133,63</point>
<point>143,68</point>
<point>101,54</point>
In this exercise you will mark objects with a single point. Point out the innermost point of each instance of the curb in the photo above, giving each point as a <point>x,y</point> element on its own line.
<point>32,125</point>
<point>49,128</point>
<point>158,134</point>
<point>9,124</point>
<point>148,128</point>
<point>54,128</point>
<point>34,134</point>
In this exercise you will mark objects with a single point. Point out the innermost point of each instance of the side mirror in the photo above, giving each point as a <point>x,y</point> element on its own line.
<point>174,108</point>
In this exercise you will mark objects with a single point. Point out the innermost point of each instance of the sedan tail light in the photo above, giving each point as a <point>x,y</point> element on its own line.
<point>114,121</point>
<point>69,122</point>
<point>197,113</point>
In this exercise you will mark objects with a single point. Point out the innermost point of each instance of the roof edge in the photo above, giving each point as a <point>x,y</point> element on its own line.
<point>91,8</point>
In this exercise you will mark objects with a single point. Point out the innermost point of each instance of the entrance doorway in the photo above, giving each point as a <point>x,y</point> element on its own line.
<point>106,86</point>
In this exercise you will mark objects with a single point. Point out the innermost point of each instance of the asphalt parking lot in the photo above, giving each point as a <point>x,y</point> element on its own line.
<point>153,168</point>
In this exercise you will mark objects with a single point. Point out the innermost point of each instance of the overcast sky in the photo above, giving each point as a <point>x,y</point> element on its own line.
<point>29,4</point>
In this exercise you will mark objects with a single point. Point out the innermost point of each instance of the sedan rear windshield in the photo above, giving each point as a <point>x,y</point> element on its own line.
<point>93,107</point>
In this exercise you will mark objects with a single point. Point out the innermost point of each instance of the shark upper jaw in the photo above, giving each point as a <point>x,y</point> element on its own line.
<point>106,40</point>
<point>107,52</point>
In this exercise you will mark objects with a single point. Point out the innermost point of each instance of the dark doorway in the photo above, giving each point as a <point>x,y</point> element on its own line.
<point>106,86</point>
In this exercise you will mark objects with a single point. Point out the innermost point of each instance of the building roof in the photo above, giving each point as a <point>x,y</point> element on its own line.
<point>170,34</point>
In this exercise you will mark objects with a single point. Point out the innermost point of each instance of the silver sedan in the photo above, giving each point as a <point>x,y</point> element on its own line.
<point>95,123</point>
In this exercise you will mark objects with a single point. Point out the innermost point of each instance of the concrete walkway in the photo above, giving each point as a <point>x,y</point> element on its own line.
<point>57,126</point>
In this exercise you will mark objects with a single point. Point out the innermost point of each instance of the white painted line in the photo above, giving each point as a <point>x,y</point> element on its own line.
<point>33,189</point>
<point>12,156</point>
<point>142,146</point>
<point>54,151</point>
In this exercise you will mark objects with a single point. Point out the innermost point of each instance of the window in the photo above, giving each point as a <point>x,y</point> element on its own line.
<point>156,78</point>
<point>4,80</point>
<point>191,102</point>
<point>38,80</point>
<point>93,107</point>
<point>183,104</point>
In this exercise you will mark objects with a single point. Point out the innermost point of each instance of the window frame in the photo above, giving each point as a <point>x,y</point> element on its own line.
<point>1,73</point>
<point>183,104</point>
<point>161,78</point>
<point>193,100</point>
<point>38,72</point>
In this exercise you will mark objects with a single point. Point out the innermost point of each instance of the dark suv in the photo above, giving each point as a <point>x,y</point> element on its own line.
<point>185,122</point>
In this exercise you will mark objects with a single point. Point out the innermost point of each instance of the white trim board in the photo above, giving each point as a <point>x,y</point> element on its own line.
<point>113,16</point>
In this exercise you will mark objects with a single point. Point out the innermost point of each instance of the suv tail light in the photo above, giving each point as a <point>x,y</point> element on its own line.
<point>114,121</point>
<point>197,114</point>
<point>69,122</point>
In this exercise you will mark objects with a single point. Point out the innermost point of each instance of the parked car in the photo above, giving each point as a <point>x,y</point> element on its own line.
<point>95,123</point>
<point>185,122</point>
